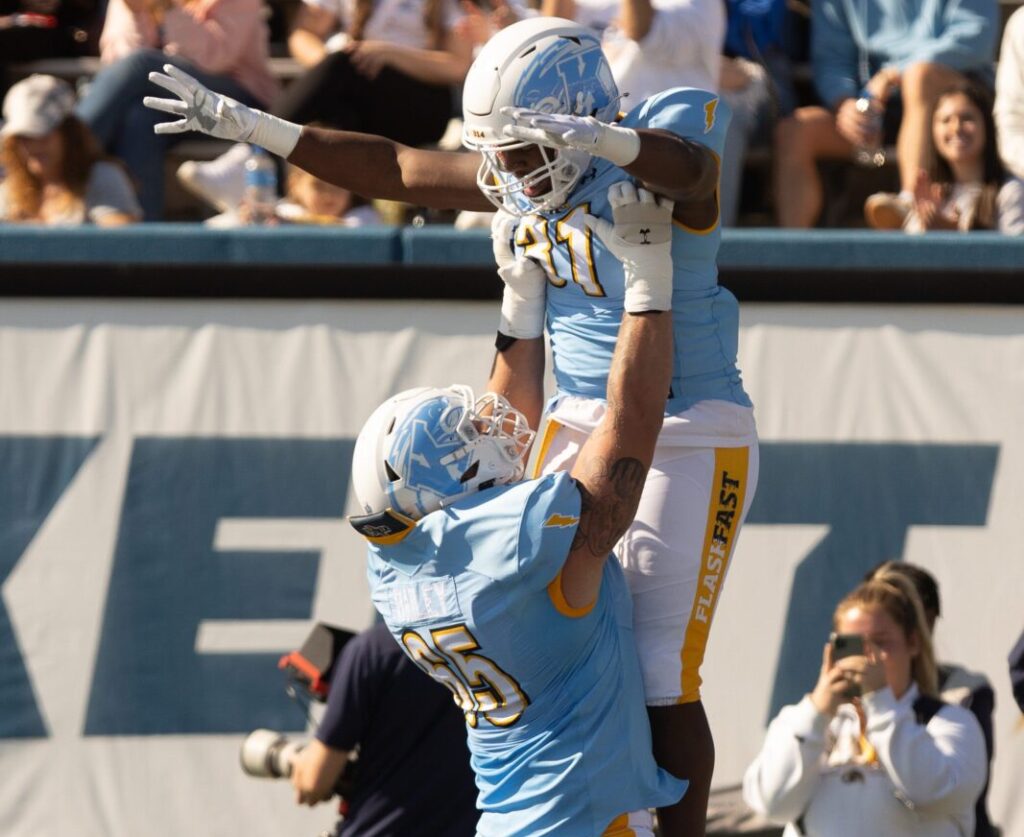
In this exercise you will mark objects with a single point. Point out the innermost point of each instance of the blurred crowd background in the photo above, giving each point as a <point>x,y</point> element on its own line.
<point>846,113</point>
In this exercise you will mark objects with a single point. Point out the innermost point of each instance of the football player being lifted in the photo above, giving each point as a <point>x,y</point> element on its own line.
<point>542,114</point>
<point>506,591</point>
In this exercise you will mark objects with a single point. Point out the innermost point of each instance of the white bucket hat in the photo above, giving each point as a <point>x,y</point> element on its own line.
<point>36,105</point>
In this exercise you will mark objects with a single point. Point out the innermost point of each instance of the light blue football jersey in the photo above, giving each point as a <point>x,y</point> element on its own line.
<point>586,282</point>
<point>554,703</point>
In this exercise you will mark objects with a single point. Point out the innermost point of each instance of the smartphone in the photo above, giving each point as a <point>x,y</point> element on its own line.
<point>846,645</point>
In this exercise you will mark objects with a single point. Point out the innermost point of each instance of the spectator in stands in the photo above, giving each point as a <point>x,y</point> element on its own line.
<point>55,171</point>
<point>307,198</point>
<point>957,685</point>
<point>653,45</point>
<point>1017,672</point>
<point>871,750</point>
<point>224,42</point>
<point>958,190</point>
<point>903,54</point>
<point>478,24</point>
<point>756,81</point>
<point>310,200</point>
<point>1009,113</point>
<point>413,774</point>
<point>383,67</point>
<point>31,30</point>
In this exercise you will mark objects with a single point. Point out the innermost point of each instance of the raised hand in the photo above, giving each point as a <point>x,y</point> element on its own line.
<point>834,686</point>
<point>640,236</point>
<point>523,302</point>
<point>200,109</point>
<point>929,204</point>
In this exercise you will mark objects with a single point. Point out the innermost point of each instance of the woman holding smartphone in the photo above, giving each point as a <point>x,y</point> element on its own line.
<point>871,749</point>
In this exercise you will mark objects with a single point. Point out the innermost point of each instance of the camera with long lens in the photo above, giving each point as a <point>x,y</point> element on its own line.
<point>269,754</point>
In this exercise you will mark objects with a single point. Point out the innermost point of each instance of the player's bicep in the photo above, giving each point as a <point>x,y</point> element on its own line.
<point>686,169</point>
<point>698,121</point>
<point>698,215</point>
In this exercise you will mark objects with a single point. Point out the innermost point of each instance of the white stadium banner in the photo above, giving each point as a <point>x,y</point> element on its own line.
<point>173,484</point>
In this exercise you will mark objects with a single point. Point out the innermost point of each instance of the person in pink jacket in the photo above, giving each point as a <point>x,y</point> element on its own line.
<point>222,42</point>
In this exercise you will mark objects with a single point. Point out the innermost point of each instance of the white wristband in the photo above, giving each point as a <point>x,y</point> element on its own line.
<point>275,134</point>
<point>618,145</point>
<point>642,295</point>
<point>521,317</point>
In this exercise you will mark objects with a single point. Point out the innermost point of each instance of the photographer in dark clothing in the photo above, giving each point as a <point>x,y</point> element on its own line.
<point>412,776</point>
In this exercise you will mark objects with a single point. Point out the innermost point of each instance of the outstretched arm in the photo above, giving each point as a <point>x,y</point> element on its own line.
<point>368,165</point>
<point>613,464</point>
<point>375,167</point>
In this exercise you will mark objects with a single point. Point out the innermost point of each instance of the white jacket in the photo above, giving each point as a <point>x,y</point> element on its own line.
<point>1009,110</point>
<point>924,783</point>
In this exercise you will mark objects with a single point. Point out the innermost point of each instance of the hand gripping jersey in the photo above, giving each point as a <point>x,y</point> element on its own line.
<point>585,294</point>
<point>553,699</point>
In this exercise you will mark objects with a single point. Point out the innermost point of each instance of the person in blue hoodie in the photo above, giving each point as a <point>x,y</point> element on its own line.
<point>879,66</point>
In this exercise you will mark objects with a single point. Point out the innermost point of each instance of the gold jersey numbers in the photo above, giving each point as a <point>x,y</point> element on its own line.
<point>572,242</point>
<point>480,687</point>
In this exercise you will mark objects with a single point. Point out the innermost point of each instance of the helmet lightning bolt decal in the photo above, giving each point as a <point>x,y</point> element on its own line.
<point>709,115</point>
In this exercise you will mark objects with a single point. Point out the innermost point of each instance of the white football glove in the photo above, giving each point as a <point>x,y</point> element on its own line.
<point>641,238</point>
<point>526,283</point>
<point>583,133</point>
<point>203,110</point>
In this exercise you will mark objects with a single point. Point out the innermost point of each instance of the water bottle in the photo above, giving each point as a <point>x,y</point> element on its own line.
<point>873,155</point>
<point>260,196</point>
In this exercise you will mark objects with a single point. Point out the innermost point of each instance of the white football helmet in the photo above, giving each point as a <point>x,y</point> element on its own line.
<point>546,64</point>
<point>427,447</point>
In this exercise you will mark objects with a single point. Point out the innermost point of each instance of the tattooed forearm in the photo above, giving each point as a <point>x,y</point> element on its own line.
<point>607,511</point>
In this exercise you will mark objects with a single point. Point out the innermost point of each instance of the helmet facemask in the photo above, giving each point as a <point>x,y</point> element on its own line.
<point>425,449</point>
<point>496,438</point>
<point>563,167</point>
<point>494,419</point>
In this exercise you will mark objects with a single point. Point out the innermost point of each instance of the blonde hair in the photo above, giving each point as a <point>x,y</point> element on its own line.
<point>23,191</point>
<point>897,596</point>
